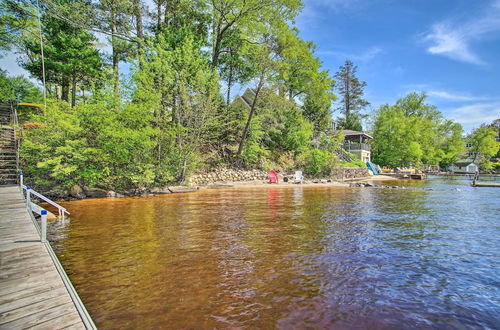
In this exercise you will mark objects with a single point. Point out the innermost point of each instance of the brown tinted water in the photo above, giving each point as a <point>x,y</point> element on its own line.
<point>325,257</point>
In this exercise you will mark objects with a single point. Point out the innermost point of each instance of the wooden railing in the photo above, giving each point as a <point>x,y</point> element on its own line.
<point>353,146</point>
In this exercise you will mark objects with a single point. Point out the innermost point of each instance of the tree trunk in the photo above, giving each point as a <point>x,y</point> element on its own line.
<point>116,77</point>
<point>229,84</point>
<point>73,92</point>
<point>347,99</point>
<point>216,48</point>
<point>158,13</point>
<point>138,20</point>
<point>252,111</point>
<point>58,92</point>
<point>65,90</point>
<point>183,171</point>
<point>169,12</point>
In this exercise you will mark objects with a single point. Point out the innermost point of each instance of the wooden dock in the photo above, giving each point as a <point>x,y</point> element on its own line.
<point>33,293</point>
<point>486,184</point>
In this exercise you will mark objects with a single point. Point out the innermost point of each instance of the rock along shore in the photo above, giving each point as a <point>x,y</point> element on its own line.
<point>223,178</point>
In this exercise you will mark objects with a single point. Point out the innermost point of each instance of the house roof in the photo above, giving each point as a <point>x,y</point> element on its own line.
<point>348,132</point>
<point>464,163</point>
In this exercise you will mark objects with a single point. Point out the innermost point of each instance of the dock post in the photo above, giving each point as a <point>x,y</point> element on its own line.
<point>44,226</point>
<point>28,198</point>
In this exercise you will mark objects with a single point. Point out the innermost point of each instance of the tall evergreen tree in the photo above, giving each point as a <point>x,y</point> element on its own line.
<point>114,17</point>
<point>70,56</point>
<point>350,90</point>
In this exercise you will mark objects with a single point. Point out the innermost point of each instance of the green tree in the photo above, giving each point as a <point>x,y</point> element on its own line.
<point>253,16</point>
<point>18,89</point>
<point>181,89</point>
<point>413,133</point>
<point>15,16</point>
<point>285,128</point>
<point>450,138</point>
<point>301,75</point>
<point>484,145</point>
<point>70,56</point>
<point>90,145</point>
<point>350,90</point>
<point>113,16</point>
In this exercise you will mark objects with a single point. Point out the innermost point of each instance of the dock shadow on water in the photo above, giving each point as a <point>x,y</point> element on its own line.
<point>321,257</point>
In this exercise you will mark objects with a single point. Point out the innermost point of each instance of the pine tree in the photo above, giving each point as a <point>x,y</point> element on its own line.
<point>70,56</point>
<point>351,91</point>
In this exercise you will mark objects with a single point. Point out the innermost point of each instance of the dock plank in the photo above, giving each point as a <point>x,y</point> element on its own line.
<point>32,292</point>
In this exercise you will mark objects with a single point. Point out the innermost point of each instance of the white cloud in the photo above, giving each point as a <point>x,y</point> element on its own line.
<point>455,96</point>
<point>473,115</point>
<point>454,38</point>
<point>364,56</point>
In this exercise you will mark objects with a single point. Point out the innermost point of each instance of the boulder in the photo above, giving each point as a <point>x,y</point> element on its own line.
<point>114,194</point>
<point>76,191</point>
<point>96,193</point>
<point>160,190</point>
<point>182,189</point>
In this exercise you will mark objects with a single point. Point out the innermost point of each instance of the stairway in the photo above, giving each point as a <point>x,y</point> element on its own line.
<point>8,156</point>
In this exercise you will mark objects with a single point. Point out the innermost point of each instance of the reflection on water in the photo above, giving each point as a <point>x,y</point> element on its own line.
<point>288,257</point>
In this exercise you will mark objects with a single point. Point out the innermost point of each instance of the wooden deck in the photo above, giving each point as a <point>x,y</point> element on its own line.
<point>32,292</point>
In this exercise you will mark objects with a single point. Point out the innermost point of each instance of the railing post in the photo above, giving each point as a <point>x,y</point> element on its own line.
<point>44,226</point>
<point>21,180</point>
<point>28,198</point>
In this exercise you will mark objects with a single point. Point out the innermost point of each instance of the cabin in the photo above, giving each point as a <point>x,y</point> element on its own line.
<point>464,167</point>
<point>357,143</point>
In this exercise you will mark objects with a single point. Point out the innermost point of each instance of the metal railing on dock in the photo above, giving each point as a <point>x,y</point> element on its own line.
<point>62,211</point>
<point>42,231</point>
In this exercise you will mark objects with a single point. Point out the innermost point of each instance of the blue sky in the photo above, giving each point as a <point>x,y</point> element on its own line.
<point>447,48</point>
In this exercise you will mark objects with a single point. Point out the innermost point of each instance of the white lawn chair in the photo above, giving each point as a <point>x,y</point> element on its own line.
<point>298,177</point>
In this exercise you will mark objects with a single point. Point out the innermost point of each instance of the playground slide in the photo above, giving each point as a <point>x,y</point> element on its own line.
<point>372,168</point>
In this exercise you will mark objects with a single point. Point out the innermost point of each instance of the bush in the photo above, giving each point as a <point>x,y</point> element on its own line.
<point>89,145</point>
<point>318,162</point>
<point>354,163</point>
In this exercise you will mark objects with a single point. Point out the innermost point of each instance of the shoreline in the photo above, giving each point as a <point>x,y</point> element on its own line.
<point>306,184</point>
<point>88,193</point>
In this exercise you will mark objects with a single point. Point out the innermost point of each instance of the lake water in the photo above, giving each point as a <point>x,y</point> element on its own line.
<point>296,257</point>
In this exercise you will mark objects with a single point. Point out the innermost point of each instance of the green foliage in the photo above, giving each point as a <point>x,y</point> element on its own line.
<point>484,145</point>
<point>351,92</point>
<point>89,145</point>
<point>181,90</point>
<point>412,133</point>
<point>318,162</point>
<point>169,118</point>
<point>70,56</point>
<point>452,143</point>
<point>15,16</point>
<point>286,130</point>
<point>301,76</point>
<point>18,89</point>
<point>354,163</point>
